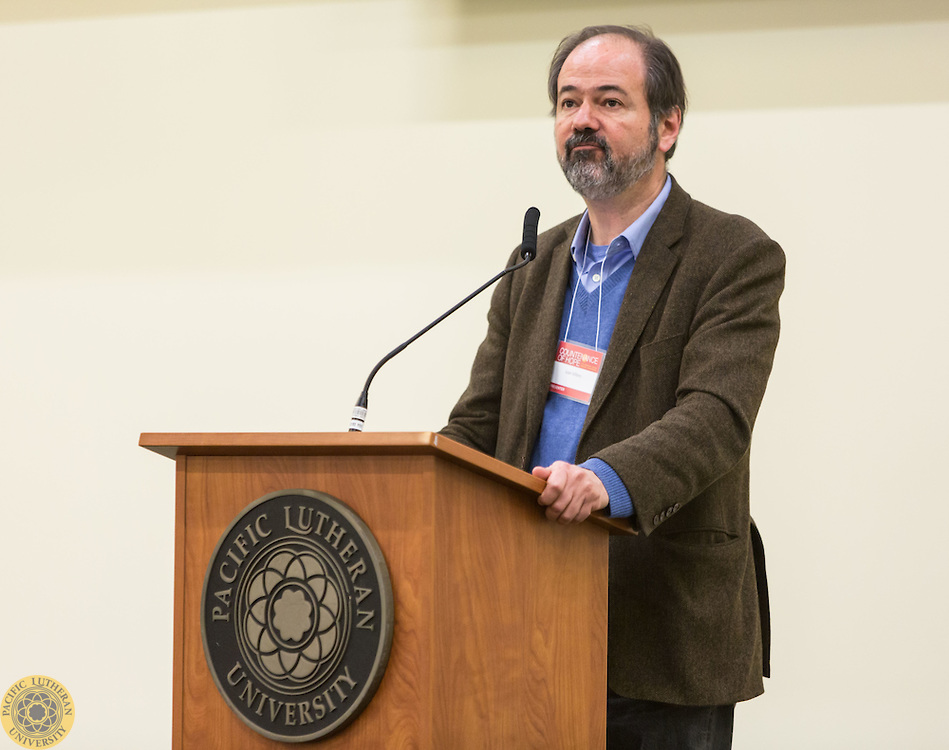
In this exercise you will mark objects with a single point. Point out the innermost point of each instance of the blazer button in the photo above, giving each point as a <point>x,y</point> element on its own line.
<point>656,521</point>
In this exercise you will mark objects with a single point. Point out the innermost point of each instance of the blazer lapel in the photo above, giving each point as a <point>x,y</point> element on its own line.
<point>655,264</point>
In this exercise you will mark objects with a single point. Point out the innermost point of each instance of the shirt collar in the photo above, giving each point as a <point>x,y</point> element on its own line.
<point>633,236</point>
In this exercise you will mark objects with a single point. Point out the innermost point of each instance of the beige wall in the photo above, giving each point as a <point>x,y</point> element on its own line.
<point>220,218</point>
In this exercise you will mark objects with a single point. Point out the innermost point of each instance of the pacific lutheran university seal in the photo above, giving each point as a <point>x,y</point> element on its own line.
<point>37,712</point>
<point>297,615</point>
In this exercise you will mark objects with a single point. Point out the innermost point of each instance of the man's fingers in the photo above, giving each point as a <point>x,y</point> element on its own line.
<point>571,493</point>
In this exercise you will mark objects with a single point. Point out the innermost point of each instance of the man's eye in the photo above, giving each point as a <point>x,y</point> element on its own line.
<point>613,103</point>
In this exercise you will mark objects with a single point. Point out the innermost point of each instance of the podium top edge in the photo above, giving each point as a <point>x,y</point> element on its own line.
<point>175,444</point>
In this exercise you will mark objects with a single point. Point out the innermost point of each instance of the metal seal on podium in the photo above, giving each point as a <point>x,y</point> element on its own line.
<point>297,615</point>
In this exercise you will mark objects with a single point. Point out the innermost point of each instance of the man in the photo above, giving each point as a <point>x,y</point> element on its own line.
<point>625,366</point>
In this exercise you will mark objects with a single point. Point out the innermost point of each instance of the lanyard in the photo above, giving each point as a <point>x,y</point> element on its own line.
<point>599,304</point>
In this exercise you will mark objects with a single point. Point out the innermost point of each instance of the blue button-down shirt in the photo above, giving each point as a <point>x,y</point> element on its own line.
<point>624,248</point>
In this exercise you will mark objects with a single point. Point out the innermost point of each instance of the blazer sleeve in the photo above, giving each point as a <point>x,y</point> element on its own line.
<point>701,380</point>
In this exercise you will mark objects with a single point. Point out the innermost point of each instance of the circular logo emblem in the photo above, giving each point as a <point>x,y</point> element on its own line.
<point>37,711</point>
<point>296,615</point>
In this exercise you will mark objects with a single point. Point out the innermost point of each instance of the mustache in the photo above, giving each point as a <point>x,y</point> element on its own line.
<point>585,139</point>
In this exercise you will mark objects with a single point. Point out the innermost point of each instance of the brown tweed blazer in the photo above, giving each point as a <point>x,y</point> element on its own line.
<point>672,413</point>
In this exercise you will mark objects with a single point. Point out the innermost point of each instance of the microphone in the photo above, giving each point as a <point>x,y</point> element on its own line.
<point>527,250</point>
<point>529,236</point>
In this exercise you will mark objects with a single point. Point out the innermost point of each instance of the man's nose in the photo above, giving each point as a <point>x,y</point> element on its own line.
<point>585,119</point>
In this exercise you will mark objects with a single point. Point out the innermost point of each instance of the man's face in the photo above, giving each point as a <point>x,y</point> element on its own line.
<point>602,126</point>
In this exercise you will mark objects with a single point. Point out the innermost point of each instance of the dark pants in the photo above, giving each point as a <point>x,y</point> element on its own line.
<point>645,725</point>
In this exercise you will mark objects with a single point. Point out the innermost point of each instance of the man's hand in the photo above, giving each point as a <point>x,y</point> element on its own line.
<point>572,493</point>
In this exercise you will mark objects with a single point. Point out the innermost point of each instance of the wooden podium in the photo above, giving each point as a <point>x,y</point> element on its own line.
<point>500,616</point>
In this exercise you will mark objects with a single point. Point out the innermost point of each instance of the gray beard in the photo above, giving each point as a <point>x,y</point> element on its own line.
<point>608,177</point>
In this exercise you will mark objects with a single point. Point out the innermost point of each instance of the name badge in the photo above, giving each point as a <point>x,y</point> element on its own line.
<point>575,371</point>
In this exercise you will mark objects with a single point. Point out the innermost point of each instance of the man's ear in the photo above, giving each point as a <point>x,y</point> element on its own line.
<point>668,131</point>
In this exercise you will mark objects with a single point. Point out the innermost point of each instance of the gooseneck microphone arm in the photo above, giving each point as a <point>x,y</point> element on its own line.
<point>528,249</point>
